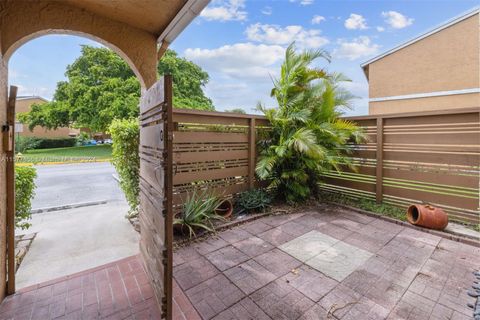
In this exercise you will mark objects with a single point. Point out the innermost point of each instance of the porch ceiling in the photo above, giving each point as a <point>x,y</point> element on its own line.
<point>152,16</point>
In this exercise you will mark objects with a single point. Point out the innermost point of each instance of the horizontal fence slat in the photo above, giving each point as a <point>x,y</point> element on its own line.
<point>223,191</point>
<point>208,137</point>
<point>434,158</point>
<point>188,157</point>
<point>466,181</point>
<point>426,196</point>
<point>186,177</point>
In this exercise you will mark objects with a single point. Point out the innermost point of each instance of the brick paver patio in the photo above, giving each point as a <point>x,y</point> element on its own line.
<point>304,265</point>
<point>299,266</point>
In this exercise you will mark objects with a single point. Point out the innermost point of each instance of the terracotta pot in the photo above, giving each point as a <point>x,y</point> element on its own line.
<point>427,216</point>
<point>225,209</point>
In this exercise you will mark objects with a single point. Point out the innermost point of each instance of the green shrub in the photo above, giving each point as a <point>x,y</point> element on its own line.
<point>24,193</point>
<point>307,137</point>
<point>198,213</point>
<point>254,200</point>
<point>82,138</point>
<point>23,144</point>
<point>125,136</point>
<point>46,143</point>
<point>365,204</point>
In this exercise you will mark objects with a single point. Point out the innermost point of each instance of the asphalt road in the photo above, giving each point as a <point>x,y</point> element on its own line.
<point>59,185</point>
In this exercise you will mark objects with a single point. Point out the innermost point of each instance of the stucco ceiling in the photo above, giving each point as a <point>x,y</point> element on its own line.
<point>149,15</point>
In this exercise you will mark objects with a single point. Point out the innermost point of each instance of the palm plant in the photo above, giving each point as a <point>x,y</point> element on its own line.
<point>307,136</point>
<point>198,212</point>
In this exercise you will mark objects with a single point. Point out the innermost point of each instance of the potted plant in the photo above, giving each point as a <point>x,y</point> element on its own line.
<point>224,209</point>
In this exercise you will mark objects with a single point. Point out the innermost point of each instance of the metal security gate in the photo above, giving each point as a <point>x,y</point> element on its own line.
<point>156,216</point>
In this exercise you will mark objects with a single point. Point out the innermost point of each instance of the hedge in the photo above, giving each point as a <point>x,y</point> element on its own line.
<point>24,193</point>
<point>27,143</point>
<point>125,136</point>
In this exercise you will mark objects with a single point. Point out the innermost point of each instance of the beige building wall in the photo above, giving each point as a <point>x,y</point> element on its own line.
<point>24,105</point>
<point>444,61</point>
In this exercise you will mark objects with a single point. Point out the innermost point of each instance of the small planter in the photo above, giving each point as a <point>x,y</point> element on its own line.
<point>427,216</point>
<point>225,209</point>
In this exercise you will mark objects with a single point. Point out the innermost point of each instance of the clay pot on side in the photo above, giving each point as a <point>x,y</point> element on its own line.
<point>225,209</point>
<point>427,216</point>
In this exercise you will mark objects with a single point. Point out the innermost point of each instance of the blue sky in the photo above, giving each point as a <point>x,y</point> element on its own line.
<point>241,43</point>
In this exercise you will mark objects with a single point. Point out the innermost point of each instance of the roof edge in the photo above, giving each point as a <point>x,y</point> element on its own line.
<point>32,97</point>
<point>187,13</point>
<point>439,28</point>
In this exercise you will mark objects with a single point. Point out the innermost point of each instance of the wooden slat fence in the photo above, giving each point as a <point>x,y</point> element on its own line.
<point>214,151</point>
<point>429,157</point>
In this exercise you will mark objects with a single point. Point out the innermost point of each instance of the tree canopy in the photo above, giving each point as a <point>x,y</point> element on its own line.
<point>188,82</point>
<point>101,87</point>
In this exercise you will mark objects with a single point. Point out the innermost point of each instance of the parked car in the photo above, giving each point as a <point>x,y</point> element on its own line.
<point>91,142</point>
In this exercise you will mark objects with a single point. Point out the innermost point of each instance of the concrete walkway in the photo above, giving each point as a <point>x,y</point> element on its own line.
<point>73,240</point>
<point>329,263</point>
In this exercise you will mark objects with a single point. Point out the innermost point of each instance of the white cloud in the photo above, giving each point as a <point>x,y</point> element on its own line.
<point>317,19</point>
<point>273,34</point>
<point>360,47</point>
<point>241,60</point>
<point>240,73</point>
<point>397,20</point>
<point>225,10</point>
<point>356,22</point>
<point>304,2</point>
<point>380,29</point>
<point>267,10</point>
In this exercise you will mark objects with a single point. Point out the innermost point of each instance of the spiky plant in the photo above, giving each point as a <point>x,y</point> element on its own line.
<point>199,212</point>
<point>307,136</point>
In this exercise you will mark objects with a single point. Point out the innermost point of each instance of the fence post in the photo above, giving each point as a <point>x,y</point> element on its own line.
<point>379,169</point>
<point>251,153</point>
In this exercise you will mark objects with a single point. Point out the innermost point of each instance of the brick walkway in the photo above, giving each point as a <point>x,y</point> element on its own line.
<point>118,290</point>
<point>302,266</point>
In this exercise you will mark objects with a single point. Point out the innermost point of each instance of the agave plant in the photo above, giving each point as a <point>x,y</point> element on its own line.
<point>198,212</point>
<point>307,136</point>
<point>254,200</point>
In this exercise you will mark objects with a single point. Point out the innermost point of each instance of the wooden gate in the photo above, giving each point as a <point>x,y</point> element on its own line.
<point>9,146</point>
<point>156,216</point>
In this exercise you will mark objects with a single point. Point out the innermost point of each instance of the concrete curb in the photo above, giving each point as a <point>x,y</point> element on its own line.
<point>68,206</point>
<point>58,162</point>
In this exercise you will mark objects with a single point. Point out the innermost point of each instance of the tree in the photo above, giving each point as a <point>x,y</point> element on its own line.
<point>307,138</point>
<point>188,82</point>
<point>101,87</point>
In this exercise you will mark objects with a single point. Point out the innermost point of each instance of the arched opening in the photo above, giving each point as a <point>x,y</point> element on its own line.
<point>78,210</point>
<point>18,44</point>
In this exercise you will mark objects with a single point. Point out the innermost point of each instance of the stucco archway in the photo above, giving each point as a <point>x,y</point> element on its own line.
<point>11,51</point>
<point>26,20</point>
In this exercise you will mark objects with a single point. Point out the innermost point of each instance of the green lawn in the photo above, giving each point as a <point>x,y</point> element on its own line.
<point>71,154</point>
